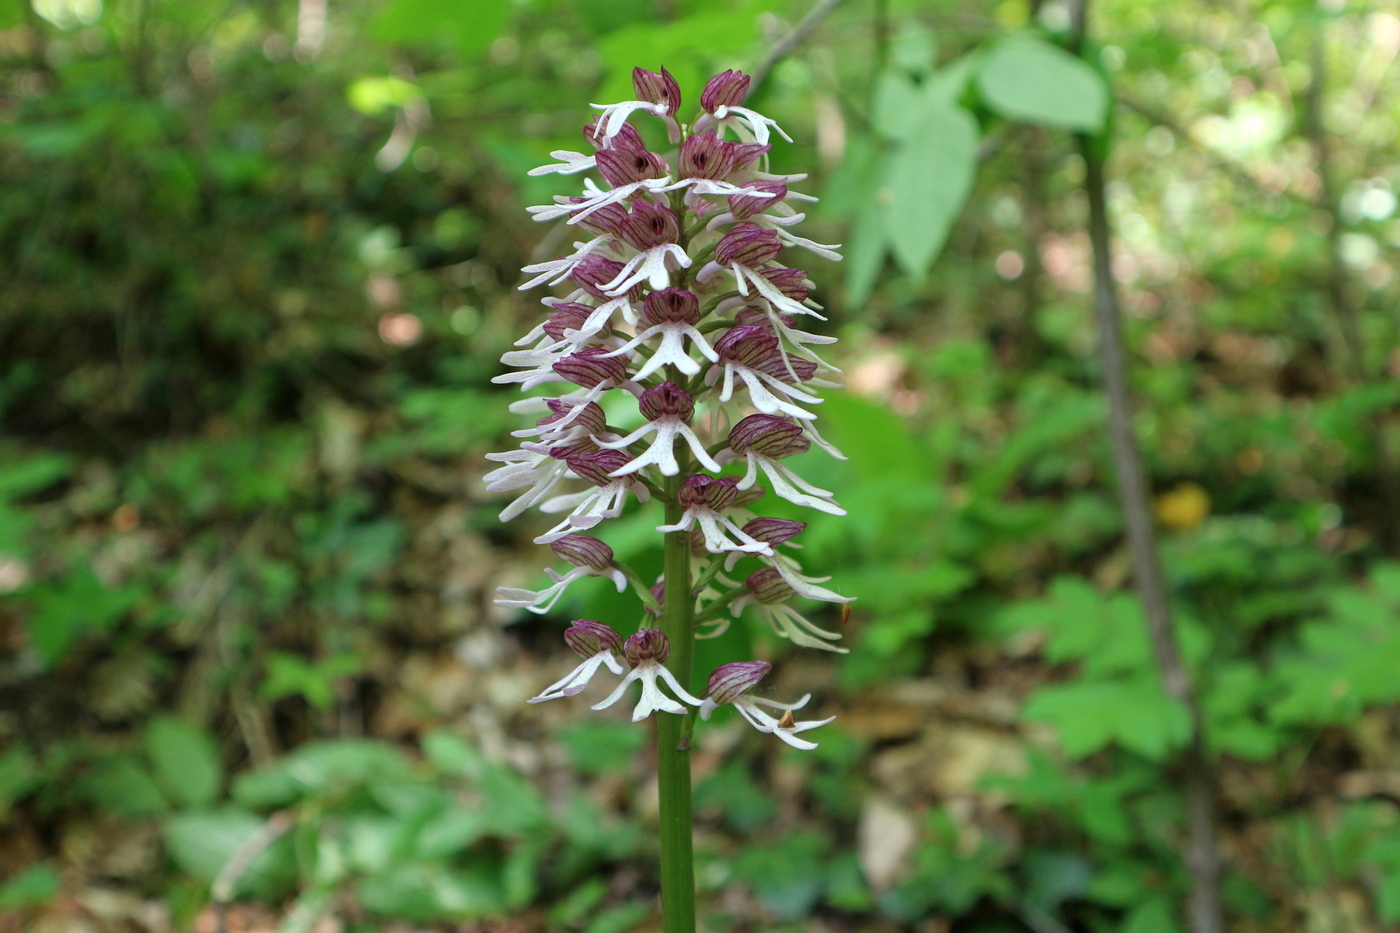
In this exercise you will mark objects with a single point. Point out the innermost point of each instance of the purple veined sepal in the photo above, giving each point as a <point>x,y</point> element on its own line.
<point>730,684</point>
<point>605,499</point>
<point>646,652</point>
<point>764,440</point>
<point>751,355</point>
<point>768,593</point>
<point>721,101</point>
<point>599,645</point>
<point>589,557</point>
<point>704,499</point>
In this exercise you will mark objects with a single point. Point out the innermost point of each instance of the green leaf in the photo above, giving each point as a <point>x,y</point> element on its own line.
<point>326,767</point>
<point>122,787</point>
<point>1136,714</point>
<point>1026,78</point>
<point>930,176</point>
<point>1155,915</point>
<point>201,844</point>
<point>30,887</point>
<point>18,776</point>
<point>67,608</point>
<point>602,747</point>
<point>185,761</point>
<point>373,96</point>
<point>469,25</point>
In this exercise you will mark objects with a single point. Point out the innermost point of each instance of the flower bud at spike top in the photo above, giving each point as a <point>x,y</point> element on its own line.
<point>569,315</point>
<point>584,551</point>
<point>649,225</point>
<point>626,139</point>
<point>749,245</point>
<point>774,531</point>
<point>706,156</point>
<point>744,206</point>
<point>725,90</point>
<point>708,492</point>
<point>731,681</point>
<point>624,166</point>
<point>595,467</point>
<point>587,638</point>
<point>670,306</point>
<point>592,366</point>
<point>647,644</point>
<point>768,435</point>
<point>747,345</point>
<point>667,400</point>
<point>768,586</point>
<point>657,88</point>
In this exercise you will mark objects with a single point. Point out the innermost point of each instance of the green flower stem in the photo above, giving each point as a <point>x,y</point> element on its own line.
<point>673,760</point>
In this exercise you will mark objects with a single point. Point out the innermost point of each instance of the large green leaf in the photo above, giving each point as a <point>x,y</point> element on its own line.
<point>1026,78</point>
<point>1135,714</point>
<point>929,178</point>
<point>470,25</point>
<point>185,761</point>
<point>201,844</point>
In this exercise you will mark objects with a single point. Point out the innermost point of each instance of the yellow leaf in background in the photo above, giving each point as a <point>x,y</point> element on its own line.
<point>1184,507</point>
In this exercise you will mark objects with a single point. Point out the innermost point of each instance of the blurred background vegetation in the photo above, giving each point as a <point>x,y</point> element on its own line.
<point>259,260</point>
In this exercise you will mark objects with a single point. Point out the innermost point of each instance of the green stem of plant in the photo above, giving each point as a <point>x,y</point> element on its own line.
<point>673,760</point>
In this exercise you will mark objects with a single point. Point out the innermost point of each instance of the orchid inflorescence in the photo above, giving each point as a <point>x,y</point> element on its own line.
<point>677,298</point>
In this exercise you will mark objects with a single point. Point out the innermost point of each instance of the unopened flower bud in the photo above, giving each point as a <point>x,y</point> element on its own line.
<point>768,435</point>
<point>606,219</point>
<point>747,244</point>
<point>591,273</point>
<point>570,315</point>
<point>746,154</point>
<point>768,586</point>
<point>627,138</point>
<point>670,306</point>
<point>724,90</point>
<point>587,638</point>
<point>744,206</point>
<point>731,681</point>
<point>774,531</point>
<point>703,491</point>
<point>657,88</point>
<point>590,367</point>
<point>649,225</point>
<point>584,551</point>
<point>788,281</point>
<point>705,155</point>
<point>658,593</point>
<point>626,166</point>
<point>647,644</point>
<point>666,400</point>
<point>595,467</point>
<point>746,345</point>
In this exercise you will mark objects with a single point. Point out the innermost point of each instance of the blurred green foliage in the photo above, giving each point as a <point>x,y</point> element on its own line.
<point>259,268</point>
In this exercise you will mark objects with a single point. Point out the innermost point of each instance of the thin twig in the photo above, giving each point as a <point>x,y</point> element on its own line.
<point>1202,856</point>
<point>792,40</point>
